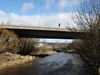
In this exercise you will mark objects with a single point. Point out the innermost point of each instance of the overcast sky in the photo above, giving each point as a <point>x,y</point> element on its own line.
<point>44,13</point>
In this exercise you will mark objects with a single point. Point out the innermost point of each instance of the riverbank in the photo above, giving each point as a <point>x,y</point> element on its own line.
<point>8,60</point>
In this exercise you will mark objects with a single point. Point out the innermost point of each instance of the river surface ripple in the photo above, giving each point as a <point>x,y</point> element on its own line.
<point>58,64</point>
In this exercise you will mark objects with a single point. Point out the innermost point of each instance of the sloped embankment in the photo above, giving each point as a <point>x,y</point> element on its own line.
<point>8,60</point>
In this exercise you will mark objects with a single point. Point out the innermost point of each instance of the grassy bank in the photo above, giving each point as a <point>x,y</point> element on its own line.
<point>8,60</point>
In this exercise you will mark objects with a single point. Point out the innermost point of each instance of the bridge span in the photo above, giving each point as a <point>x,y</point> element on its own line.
<point>43,32</point>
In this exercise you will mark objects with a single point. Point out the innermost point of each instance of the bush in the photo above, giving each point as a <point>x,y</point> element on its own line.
<point>75,45</point>
<point>9,41</point>
<point>27,46</point>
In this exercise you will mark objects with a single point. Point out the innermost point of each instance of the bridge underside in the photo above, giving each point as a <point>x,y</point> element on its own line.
<point>24,33</point>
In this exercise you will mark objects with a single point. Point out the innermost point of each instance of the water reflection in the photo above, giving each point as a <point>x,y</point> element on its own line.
<point>58,64</point>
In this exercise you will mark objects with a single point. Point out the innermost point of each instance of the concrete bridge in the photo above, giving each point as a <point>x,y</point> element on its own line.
<point>43,32</point>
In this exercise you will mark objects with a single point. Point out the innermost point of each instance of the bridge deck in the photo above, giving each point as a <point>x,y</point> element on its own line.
<point>43,32</point>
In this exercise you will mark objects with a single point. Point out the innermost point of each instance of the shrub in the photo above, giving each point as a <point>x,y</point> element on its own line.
<point>75,45</point>
<point>27,46</point>
<point>9,41</point>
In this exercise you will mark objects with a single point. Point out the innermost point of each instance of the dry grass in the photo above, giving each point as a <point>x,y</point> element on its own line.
<point>12,60</point>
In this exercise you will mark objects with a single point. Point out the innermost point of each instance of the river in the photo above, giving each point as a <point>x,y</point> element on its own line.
<point>58,64</point>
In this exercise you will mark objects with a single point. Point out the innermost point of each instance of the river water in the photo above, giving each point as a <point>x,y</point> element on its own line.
<point>58,64</point>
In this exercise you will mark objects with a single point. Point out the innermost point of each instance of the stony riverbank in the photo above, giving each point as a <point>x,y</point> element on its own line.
<point>10,60</point>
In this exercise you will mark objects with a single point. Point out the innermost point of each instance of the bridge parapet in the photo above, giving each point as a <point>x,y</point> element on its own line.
<point>36,28</point>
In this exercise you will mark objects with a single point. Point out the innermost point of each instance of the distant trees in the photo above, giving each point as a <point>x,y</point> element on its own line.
<point>88,20</point>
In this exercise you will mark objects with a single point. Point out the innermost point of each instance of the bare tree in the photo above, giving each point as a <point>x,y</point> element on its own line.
<point>87,19</point>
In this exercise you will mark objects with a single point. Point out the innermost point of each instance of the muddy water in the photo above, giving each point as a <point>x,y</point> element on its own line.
<point>58,64</point>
